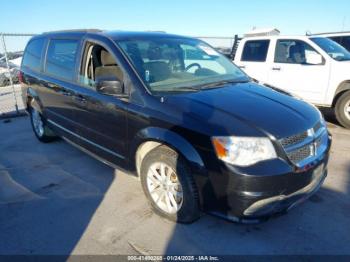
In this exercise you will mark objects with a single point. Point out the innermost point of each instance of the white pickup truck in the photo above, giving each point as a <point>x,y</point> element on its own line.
<point>314,68</point>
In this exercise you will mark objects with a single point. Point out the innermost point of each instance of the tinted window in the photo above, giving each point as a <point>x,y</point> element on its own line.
<point>293,52</point>
<point>342,40</point>
<point>255,51</point>
<point>61,57</point>
<point>32,55</point>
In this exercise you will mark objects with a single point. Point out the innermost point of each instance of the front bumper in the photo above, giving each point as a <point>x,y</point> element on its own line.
<point>283,202</point>
<point>252,194</point>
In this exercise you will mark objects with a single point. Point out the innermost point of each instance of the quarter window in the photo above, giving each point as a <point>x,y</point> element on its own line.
<point>255,51</point>
<point>61,57</point>
<point>32,56</point>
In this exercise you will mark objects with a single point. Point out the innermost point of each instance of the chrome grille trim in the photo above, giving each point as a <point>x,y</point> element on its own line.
<point>307,146</point>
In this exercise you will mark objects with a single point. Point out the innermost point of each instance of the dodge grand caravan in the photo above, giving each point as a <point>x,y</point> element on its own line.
<point>196,130</point>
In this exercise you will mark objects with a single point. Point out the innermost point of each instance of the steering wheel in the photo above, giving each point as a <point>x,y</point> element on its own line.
<point>192,65</point>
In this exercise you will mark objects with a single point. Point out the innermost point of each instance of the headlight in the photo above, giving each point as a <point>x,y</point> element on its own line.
<point>243,151</point>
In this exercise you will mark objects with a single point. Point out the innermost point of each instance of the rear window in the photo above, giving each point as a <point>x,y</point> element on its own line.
<point>255,50</point>
<point>33,52</point>
<point>61,57</point>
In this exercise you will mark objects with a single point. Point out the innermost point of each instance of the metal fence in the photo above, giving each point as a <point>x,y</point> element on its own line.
<point>222,43</point>
<point>11,52</point>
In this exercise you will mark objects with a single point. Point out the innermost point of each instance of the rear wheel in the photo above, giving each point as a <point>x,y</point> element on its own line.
<point>169,186</point>
<point>40,128</point>
<point>342,109</point>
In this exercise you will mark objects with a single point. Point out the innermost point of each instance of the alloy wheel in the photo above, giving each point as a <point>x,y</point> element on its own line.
<point>164,187</point>
<point>37,123</point>
<point>347,110</point>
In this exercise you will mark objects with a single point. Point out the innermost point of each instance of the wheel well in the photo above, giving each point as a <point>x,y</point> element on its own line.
<point>343,87</point>
<point>142,151</point>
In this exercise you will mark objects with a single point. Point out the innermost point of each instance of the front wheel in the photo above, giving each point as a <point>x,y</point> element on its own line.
<point>40,128</point>
<point>169,186</point>
<point>342,110</point>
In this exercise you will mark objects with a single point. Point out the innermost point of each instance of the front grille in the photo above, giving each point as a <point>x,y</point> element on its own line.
<point>300,154</point>
<point>292,140</point>
<point>305,146</point>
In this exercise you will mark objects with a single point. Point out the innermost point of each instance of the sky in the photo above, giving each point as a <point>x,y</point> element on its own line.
<point>186,17</point>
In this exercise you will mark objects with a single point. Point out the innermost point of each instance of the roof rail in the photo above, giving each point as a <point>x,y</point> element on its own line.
<point>74,31</point>
<point>327,33</point>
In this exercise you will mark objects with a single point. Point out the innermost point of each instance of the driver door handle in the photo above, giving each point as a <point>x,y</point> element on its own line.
<point>242,66</point>
<point>276,68</point>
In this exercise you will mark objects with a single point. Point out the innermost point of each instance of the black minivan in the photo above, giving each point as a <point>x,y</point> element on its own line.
<point>199,133</point>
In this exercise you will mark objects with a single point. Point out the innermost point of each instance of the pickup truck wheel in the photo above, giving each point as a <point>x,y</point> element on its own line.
<point>342,110</point>
<point>169,186</point>
<point>41,130</point>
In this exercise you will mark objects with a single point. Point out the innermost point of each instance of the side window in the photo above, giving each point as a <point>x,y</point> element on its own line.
<point>98,63</point>
<point>255,51</point>
<point>32,55</point>
<point>61,57</point>
<point>342,40</point>
<point>294,52</point>
<point>346,42</point>
<point>337,39</point>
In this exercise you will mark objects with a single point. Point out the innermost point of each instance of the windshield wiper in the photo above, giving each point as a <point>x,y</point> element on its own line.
<point>221,83</point>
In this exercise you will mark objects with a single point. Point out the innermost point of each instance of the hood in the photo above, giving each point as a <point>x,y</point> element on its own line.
<point>235,109</point>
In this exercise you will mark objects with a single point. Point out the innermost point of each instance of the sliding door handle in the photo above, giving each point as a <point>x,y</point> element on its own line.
<point>80,98</point>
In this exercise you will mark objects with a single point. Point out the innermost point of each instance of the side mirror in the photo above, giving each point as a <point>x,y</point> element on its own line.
<point>109,86</point>
<point>314,59</point>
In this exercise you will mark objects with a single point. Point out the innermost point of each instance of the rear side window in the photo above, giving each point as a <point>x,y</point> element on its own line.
<point>255,50</point>
<point>32,55</point>
<point>61,57</point>
<point>342,40</point>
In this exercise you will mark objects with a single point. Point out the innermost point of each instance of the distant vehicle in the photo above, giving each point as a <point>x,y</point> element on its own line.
<point>342,38</point>
<point>314,68</point>
<point>194,127</point>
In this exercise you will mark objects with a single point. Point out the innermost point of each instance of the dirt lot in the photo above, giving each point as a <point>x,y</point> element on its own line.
<point>55,199</point>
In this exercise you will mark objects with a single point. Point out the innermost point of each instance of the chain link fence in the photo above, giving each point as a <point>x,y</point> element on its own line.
<point>11,52</point>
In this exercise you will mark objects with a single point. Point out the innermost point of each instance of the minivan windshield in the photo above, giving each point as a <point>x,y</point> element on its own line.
<point>168,64</point>
<point>333,49</point>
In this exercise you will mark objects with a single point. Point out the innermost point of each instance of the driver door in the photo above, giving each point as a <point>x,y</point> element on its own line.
<point>294,71</point>
<point>101,118</point>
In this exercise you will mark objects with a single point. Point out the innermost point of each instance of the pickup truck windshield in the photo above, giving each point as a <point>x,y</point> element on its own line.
<point>179,64</point>
<point>333,49</point>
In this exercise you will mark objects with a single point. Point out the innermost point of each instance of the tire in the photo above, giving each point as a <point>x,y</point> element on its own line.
<point>177,180</point>
<point>40,128</point>
<point>342,109</point>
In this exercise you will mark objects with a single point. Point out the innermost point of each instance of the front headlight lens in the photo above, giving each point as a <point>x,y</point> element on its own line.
<point>243,151</point>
